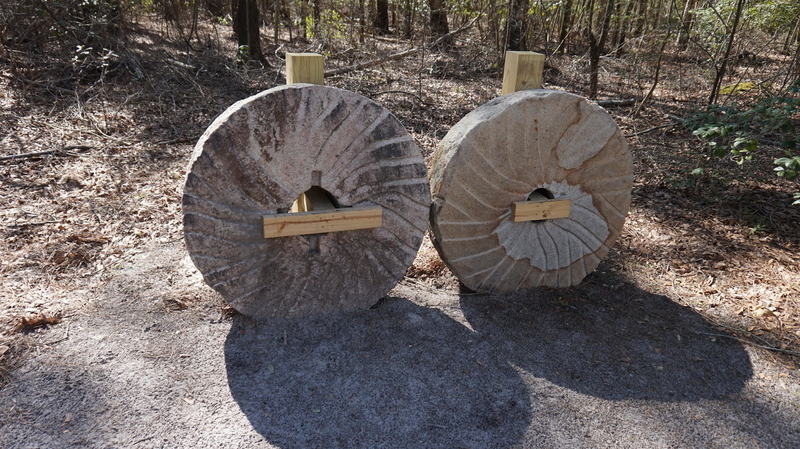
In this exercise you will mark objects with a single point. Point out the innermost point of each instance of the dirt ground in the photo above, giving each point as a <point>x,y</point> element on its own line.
<point>689,335</point>
<point>606,364</point>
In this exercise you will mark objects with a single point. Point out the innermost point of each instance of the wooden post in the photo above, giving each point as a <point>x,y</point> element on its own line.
<point>522,71</point>
<point>304,68</point>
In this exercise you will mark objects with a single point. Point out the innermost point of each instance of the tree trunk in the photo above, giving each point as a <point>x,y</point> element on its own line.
<point>656,14</point>
<point>438,17</point>
<point>724,65</point>
<point>566,24</point>
<point>216,7</point>
<point>622,29</point>
<point>596,44</point>
<point>316,12</point>
<point>641,17</point>
<point>793,33</point>
<point>246,23</point>
<point>686,26</point>
<point>517,25</point>
<point>305,19</point>
<point>408,19</point>
<point>381,22</point>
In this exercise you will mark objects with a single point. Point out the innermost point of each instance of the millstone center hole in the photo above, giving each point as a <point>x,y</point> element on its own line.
<point>314,199</point>
<point>540,195</point>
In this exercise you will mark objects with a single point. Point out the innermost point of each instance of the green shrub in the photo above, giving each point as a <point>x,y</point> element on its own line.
<point>735,132</point>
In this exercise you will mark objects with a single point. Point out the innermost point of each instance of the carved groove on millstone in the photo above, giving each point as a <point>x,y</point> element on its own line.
<point>504,151</point>
<point>259,156</point>
<point>583,232</point>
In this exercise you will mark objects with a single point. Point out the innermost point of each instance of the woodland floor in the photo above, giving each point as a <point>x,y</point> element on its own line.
<point>725,245</point>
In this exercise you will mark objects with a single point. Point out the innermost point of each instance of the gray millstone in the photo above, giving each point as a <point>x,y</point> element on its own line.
<point>259,156</point>
<point>501,153</point>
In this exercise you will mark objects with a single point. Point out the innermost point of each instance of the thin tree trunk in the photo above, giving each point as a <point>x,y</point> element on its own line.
<point>407,20</point>
<point>305,18</point>
<point>246,23</point>
<point>381,22</point>
<point>656,15</point>
<point>566,24</point>
<point>596,44</point>
<point>794,32</point>
<point>438,18</point>
<point>517,24</point>
<point>317,15</point>
<point>724,65</point>
<point>686,26</point>
<point>641,17</point>
<point>657,75</point>
<point>622,28</point>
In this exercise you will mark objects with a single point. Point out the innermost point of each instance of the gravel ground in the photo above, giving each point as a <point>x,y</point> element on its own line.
<point>153,362</point>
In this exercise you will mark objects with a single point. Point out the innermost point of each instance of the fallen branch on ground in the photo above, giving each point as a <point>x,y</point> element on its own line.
<point>58,151</point>
<point>617,102</point>
<point>667,125</point>
<point>402,54</point>
<point>420,99</point>
<point>752,343</point>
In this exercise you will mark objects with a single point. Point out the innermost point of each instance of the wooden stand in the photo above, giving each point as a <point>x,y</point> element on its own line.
<point>522,71</point>
<point>304,68</point>
<point>313,212</point>
<point>540,210</point>
<point>320,222</point>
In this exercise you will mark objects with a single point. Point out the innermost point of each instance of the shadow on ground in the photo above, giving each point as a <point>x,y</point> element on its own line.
<point>408,376</point>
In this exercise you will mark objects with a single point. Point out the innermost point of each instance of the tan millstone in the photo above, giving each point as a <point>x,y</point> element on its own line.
<point>259,156</point>
<point>504,151</point>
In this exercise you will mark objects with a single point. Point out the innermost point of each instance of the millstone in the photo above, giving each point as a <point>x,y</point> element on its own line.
<point>259,156</point>
<point>528,145</point>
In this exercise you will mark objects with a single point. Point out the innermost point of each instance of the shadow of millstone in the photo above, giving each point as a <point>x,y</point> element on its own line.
<point>613,343</point>
<point>402,376</point>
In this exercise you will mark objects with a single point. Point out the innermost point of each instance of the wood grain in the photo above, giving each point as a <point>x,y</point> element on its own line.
<point>540,210</point>
<point>322,221</point>
<point>522,70</point>
<point>305,68</point>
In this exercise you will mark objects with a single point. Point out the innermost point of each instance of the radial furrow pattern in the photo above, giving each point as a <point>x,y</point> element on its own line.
<point>520,146</point>
<point>263,152</point>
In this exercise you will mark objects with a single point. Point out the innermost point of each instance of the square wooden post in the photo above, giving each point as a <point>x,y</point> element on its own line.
<point>304,68</point>
<point>522,71</point>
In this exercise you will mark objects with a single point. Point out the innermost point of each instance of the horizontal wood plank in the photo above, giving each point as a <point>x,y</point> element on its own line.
<point>540,210</point>
<point>320,222</point>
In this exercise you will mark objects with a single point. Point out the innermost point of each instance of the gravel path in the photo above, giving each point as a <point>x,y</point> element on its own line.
<point>602,365</point>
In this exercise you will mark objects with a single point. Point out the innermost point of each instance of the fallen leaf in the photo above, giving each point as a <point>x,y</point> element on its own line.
<point>175,304</point>
<point>27,324</point>
<point>760,313</point>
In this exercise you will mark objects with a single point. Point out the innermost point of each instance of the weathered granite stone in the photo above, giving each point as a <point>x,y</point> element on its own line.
<point>259,156</point>
<point>504,151</point>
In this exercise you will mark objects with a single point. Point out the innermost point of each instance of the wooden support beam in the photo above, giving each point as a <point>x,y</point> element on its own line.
<point>540,210</point>
<point>323,221</point>
<point>304,68</point>
<point>522,71</point>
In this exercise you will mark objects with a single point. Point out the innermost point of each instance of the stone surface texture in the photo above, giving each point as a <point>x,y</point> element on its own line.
<point>259,156</point>
<point>502,152</point>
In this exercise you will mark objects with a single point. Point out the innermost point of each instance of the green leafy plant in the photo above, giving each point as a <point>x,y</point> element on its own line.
<point>735,132</point>
<point>787,167</point>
